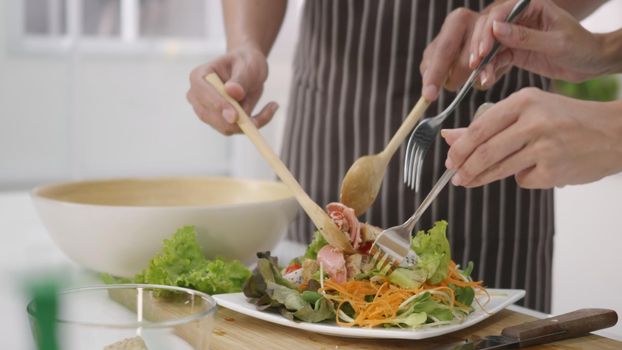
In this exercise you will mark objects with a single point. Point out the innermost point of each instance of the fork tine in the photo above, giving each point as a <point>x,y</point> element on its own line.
<point>390,263</point>
<point>408,158</point>
<point>413,159</point>
<point>418,171</point>
<point>383,262</point>
<point>414,166</point>
<point>411,156</point>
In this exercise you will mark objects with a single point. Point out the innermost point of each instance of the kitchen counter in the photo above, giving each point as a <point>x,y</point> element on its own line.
<point>27,251</point>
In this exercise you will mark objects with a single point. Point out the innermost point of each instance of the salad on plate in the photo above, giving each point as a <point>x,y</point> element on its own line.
<point>328,284</point>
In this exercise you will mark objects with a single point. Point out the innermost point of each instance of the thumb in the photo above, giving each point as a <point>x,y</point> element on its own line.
<point>523,38</point>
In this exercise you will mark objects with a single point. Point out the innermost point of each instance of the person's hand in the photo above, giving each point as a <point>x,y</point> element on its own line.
<point>445,60</point>
<point>545,140</point>
<point>545,39</point>
<point>244,71</point>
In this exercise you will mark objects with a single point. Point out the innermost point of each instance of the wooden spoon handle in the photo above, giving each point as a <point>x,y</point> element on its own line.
<point>407,126</point>
<point>316,213</point>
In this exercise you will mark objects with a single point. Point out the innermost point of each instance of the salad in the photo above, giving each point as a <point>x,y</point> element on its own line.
<point>328,284</point>
<point>181,263</point>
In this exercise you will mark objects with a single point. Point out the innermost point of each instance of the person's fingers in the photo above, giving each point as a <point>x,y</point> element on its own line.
<point>214,109</point>
<point>459,72</point>
<point>216,105</point>
<point>502,63</point>
<point>238,85</point>
<point>491,152</point>
<point>491,122</point>
<point>447,49</point>
<point>474,57</point>
<point>265,115</point>
<point>211,118</point>
<point>482,40</point>
<point>513,164</point>
<point>534,178</point>
<point>523,38</point>
<point>487,76</point>
<point>425,60</point>
<point>497,14</point>
<point>495,69</point>
<point>451,135</point>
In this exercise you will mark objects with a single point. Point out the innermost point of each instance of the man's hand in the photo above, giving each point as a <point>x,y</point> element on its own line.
<point>543,139</point>
<point>244,71</point>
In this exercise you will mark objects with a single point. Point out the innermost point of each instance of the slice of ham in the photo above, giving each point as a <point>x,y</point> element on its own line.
<point>346,221</point>
<point>333,263</point>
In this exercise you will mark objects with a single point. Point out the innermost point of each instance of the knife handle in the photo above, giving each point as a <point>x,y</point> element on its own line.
<point>572,324</point>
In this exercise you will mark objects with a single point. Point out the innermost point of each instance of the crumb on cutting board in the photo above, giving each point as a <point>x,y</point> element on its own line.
<point>135,343</point>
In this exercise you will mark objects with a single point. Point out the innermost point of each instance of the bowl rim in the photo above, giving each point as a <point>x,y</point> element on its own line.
<point>138,324</point>
<point>35,193</point>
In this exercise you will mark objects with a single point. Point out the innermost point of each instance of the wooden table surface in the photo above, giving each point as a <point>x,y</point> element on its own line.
<point>237,331</point>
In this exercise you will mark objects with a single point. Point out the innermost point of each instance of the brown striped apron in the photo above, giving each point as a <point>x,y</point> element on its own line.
<point>356,76</point>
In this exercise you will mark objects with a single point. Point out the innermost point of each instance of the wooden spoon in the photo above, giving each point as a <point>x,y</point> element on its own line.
<point>362,182</point>
<point>320,219</point>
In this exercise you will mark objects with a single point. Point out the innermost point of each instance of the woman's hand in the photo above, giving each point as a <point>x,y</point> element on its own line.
<point>244,71</point>
<point>545,40</point>
<point>445,60</point>
<point>544,140</point>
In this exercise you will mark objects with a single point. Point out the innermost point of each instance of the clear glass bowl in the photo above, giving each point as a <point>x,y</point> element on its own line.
<point>99,317</point>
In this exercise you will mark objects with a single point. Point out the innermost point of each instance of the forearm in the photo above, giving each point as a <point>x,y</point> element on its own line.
<point>611,48</point>
<point>253,22</point>
<point>580,9</point>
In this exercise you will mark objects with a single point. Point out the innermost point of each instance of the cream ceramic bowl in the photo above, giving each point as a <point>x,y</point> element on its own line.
<point>117,226</point>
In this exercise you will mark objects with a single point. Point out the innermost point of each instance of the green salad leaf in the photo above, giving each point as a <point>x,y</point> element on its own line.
<point>268,289</point>
<point>412,320</point>
<point>408,278</point>
<point>464,295</point>
<point>434,252</point>
<point>318,242</point>
<point>181,263</point>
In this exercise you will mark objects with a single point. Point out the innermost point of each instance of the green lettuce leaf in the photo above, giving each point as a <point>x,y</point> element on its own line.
<point>432,308</point>
<point>408,278</point>
<point>434,252</point>
<point>268,289</point>
<point>290,298</point>
<point>322,310</point>
<point>412,320</point>
<point>181,263</point>
<point>468,269</point>
<point>318,242</point>
<point>464,295</point>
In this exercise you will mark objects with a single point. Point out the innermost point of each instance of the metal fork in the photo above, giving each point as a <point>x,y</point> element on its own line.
<point>392,246</point>
<point>425,133</point>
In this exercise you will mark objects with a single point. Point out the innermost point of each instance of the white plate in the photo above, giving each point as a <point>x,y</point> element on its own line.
<point>500,299</point>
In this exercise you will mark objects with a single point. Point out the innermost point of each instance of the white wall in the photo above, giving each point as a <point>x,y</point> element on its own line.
<point>93,115</point>
<point>90,115</point>
<point>588,242</point>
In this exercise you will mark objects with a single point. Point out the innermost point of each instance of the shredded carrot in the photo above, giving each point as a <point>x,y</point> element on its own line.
<point>386,298</point>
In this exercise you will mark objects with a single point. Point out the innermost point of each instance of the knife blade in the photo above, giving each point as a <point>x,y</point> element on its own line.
<point>570,325</point>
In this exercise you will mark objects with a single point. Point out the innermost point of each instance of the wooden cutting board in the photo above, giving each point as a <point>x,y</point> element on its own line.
<point>241,332</point>
<point>233,330</point>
